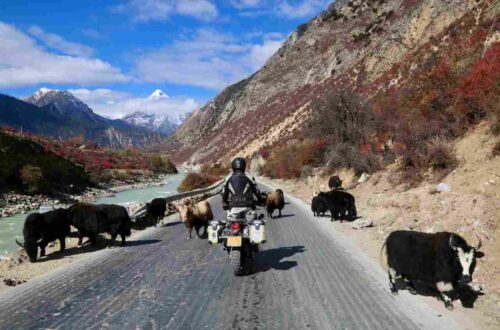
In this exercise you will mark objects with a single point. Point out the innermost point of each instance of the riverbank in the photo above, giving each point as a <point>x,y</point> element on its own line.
<point>13,203</point>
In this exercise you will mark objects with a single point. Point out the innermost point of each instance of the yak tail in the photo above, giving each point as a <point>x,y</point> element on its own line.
<point>383,257</point>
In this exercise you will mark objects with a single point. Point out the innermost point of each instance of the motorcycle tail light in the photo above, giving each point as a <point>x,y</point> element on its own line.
<point>235,226</point>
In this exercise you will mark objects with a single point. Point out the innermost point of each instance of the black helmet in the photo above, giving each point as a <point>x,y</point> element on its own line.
<point>239,164</point>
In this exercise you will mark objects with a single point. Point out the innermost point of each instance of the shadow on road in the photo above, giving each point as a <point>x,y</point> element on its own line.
<point>328,216</point>
<point>464,293</point>
<point>141,242</point>
<point>273,259</point>
<point>283,216</point>
<point>102,243</point>
<point>170,224</point>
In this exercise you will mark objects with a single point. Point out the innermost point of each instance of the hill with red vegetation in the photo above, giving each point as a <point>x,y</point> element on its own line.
<point>377,81</point>
<point>37,164</point>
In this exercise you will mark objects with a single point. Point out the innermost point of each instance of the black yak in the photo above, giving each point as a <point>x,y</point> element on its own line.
<point>443,260</point>
<point>155,210</point>
<point>90,220</point>
<point>318,206</point>
<point>42,228</point>
<point>341,204</point>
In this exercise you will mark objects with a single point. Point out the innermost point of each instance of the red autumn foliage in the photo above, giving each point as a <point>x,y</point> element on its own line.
<point>479,90</point>
<point>288,161</point>
<point>97,161</point>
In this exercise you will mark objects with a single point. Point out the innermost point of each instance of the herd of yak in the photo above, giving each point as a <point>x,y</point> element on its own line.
<point>442,261</point>
<point>340,204</point>
<point>90,220</point>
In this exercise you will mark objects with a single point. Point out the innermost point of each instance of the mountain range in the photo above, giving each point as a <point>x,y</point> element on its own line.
<point>163,123</point>
<point>59,114</point>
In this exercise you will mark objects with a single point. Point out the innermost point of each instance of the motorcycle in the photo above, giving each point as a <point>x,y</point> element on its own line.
<point>241,234</point>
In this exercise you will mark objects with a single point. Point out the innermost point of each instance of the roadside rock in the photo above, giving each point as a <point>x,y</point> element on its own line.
<point>362,223</point>
<point>364,177</point>
<point>17,260</point>
<point>13,281</point>
<point>443,187</point>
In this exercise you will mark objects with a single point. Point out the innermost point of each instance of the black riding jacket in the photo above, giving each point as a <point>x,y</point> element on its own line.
<point>240,191</point>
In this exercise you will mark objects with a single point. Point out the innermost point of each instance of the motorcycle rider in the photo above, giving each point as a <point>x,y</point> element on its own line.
<point>240,192</point>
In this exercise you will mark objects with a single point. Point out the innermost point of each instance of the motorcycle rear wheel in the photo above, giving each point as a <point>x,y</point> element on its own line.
<point>236,265</point>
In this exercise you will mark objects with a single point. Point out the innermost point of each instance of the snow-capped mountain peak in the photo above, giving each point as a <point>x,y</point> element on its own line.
<point>158,94</point>
<point>41,93</point>
<point>62,103</point>
<point>154,122</point>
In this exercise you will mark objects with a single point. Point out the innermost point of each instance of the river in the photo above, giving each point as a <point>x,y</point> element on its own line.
<point>12,227</point>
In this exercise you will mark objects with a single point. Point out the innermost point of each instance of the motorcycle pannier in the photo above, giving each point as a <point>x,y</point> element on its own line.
<point>257,232</point>
<point>213,232</point>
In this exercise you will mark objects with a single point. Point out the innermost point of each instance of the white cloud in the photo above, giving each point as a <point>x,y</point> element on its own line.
<point>246,3</point>
<point>116,104</point>
<point>56,42</point>
<point>302,9</point>
<point>259,54</point>
<point>160,10</point>
<point>292,9</point>
<point>23,62</point>
<point>99,95</point>
<point>201,9</point>
<point>209,59</point>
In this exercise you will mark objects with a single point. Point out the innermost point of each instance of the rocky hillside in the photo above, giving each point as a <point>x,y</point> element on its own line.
<point>59,114</point>
<point>398,58</point>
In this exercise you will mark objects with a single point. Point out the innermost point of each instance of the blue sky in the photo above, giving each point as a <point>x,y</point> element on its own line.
<point>113,54</point>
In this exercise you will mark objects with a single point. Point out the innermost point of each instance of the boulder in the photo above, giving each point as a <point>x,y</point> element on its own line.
<point>443,187</point>
<point>362,223</point>
<point>13,281</point>
<point>364,177</point>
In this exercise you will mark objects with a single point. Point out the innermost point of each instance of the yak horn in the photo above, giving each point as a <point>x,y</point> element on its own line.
<point>479,243</point>
<point>21,245</point>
